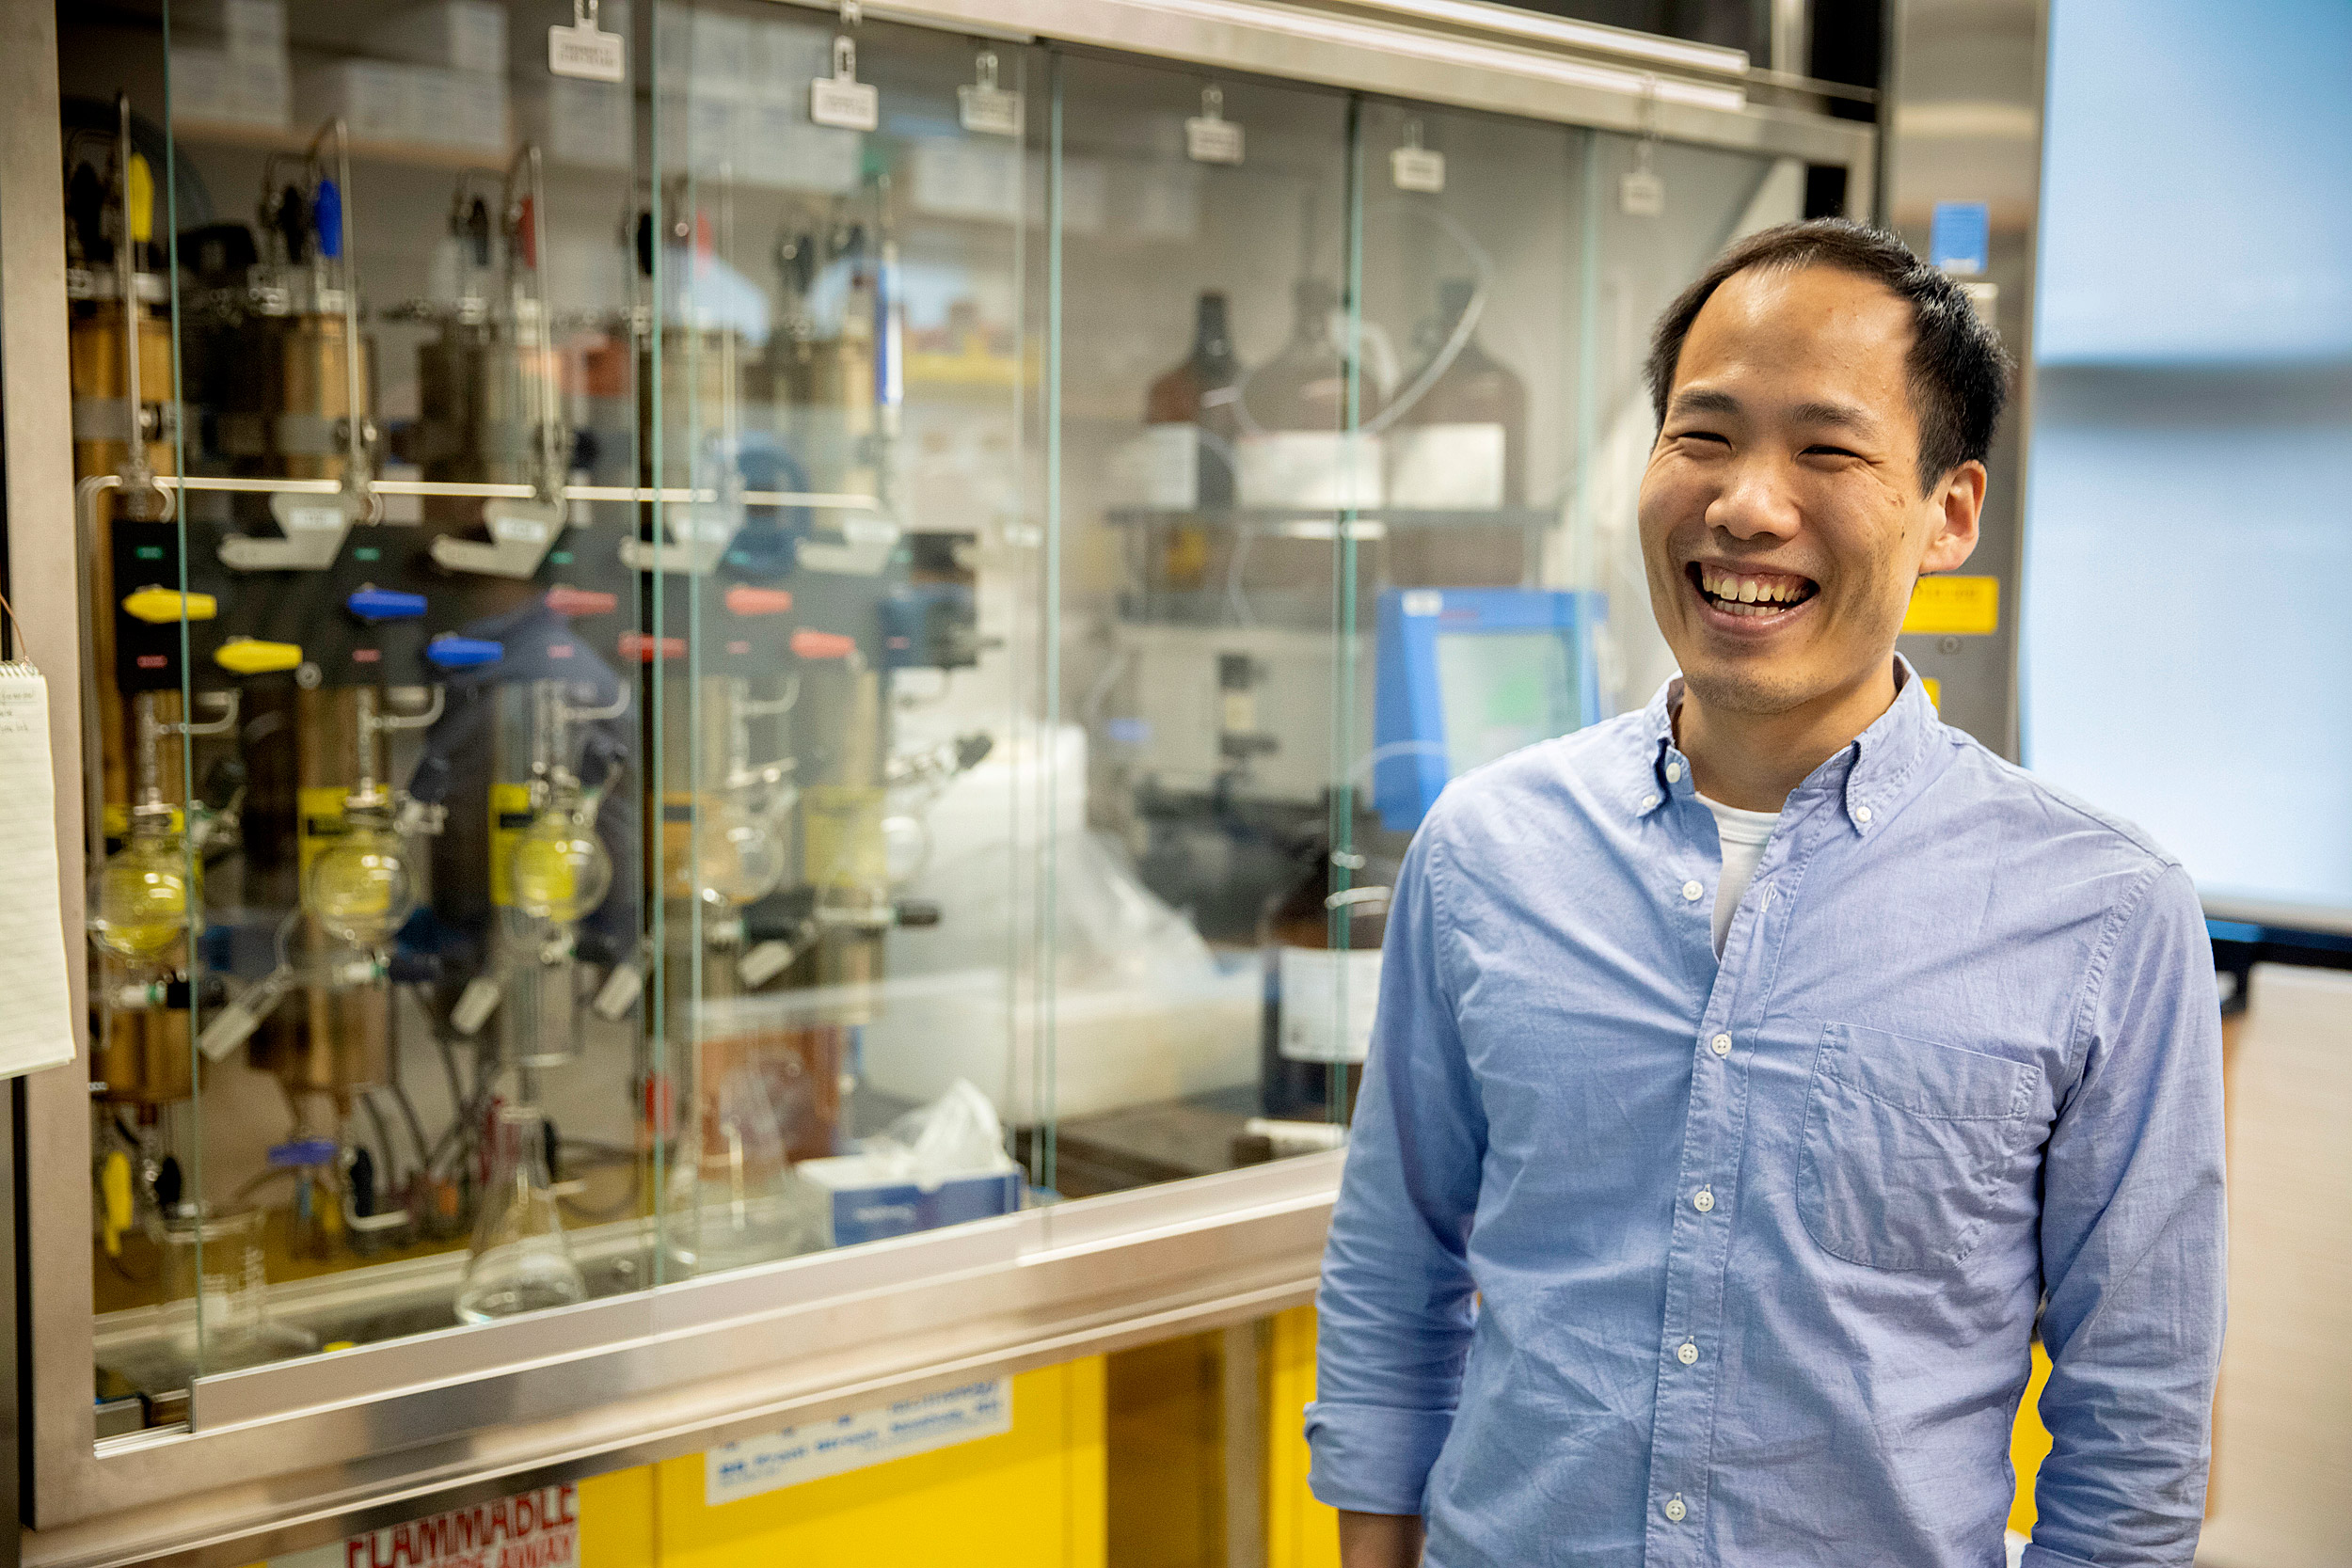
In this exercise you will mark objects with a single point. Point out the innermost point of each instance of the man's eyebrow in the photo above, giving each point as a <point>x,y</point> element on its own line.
<point>1840,416</point>
<point>1700,400</point>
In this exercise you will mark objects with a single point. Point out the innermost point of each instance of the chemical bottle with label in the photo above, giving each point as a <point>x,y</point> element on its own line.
<point>1461,444</point>
<point>1198,396</point>
<point>1297,447</point>
<point>1323,981</point>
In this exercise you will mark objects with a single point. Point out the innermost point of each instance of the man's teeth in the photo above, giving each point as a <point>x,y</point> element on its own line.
<point>1753,593</point>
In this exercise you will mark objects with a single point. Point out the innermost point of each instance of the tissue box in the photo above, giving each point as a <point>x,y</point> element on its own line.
<point>251,29</point>
<point>457,35</point>
<point>591,124</point>
<point>374,98</point>
<point>861,1200</point>
<point>215,86</point>
<point>475,105</point>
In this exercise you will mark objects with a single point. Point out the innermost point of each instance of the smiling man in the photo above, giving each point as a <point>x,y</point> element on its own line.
<point>1752,1072</point>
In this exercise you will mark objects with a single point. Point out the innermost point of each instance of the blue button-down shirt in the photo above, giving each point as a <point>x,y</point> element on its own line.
<point>1644,1258</point>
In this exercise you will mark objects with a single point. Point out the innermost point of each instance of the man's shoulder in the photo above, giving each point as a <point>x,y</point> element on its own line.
<point>2033,813</point>
<point>1544,790</point>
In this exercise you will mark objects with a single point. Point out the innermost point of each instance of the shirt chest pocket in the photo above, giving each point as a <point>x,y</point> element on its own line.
<point>1906,1146</point>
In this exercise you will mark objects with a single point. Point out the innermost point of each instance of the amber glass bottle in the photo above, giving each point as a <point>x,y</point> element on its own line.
<point>1199,392</point>
<point>1319,998</point>
<point>1463,442</point>
<point>1303,387</point>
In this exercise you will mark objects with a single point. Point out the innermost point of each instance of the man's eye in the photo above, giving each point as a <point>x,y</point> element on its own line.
<point>1702,435</point>
<point>1829,451</point>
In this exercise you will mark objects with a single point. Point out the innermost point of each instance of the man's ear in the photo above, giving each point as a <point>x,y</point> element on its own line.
<point>1959,501</point>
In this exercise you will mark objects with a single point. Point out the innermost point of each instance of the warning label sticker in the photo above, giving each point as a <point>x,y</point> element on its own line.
<point>534,1529</point>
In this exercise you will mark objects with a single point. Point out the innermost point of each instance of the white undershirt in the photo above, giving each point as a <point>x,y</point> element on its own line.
<point>1743,833</point>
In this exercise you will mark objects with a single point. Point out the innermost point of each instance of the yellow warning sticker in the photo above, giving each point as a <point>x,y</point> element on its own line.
<point>1954,607</point>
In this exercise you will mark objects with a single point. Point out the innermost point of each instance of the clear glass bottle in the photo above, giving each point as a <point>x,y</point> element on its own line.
<point>520,1259</point>
<point>1298,448</point>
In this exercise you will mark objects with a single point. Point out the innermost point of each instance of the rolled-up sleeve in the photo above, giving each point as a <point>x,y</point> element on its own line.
<point>1395,1305</point>
<point>2133,1250</point>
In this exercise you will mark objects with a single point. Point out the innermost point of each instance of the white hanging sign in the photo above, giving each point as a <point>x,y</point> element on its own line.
<point>987,109</point>
<point>585,50</point>
<point>1415,168</point>
<point>1641,193</point>
<point>1209,136</point>
<point>841,100</point>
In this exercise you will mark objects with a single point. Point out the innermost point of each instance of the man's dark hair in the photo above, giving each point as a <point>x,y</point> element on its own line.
<point>1960,374</point>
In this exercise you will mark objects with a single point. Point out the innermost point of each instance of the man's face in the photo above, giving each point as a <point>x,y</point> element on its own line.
<point>1782,519</point>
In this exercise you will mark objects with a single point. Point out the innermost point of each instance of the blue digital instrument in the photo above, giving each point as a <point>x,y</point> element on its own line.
<point>1468,674</point>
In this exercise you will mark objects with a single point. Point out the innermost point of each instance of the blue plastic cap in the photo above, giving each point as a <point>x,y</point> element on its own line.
<point>301,1151</point>
<point>462,653</point>
<point>385,603</point>
<point>326,212</point>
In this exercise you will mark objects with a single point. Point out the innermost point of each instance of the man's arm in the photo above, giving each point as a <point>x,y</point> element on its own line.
<point>1381,1540</point>
<point>1395,1303</point>
<point>2132,1252</point>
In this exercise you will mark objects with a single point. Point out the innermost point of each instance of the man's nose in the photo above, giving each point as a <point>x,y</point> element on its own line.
<point>1757,500</point>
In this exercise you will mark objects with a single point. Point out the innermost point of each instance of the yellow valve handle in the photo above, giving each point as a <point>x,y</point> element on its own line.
<point>113,1182</point>
<point>250,656</point>
<point>160,607</point>
<point>139,193</point>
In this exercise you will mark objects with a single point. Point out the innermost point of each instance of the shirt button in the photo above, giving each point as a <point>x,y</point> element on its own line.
<point>1720,1045</point>
<point>1691,892</point>
<point>1675,1510</point>
<point>1862,813</point>
<point>1673,773</point>
<point>1686,1353</point>
<point>1648,801</point>
<point>1704,1200</point>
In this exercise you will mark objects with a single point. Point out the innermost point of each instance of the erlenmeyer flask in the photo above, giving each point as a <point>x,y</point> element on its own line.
<point>520,1261</point>
<point>733,1206</point>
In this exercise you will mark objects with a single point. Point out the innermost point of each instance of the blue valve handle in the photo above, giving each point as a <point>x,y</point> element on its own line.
<point>326,213</point>
<point>385,603</point>
<point>463,653</point>
<point>301,1151</point>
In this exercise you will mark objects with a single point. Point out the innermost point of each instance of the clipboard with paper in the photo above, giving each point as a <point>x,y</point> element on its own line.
<point>37,1026</point>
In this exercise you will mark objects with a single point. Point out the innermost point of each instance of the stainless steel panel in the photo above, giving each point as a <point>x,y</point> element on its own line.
<point>722,1359</point>
<point>1965,124</point>
<point>56,1398</point>
<point>1424,62</point>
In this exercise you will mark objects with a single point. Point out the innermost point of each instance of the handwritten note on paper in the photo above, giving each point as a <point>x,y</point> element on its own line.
<point>36,1004</point>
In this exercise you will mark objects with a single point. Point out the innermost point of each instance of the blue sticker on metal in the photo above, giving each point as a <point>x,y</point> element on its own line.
<point>1960,241</point>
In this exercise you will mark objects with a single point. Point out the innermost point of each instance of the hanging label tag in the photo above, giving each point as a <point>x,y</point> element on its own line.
<point>1212,141</point>
<point>1642,194</point>
<point>989,111</point>
<point>586,51</point>
<point>841,100</point>
<point>1209,136</point>
<point>986,109</point>
<point>1417,169</point>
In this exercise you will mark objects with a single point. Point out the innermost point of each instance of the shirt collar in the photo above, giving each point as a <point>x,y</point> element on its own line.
<point>1869,779</point>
